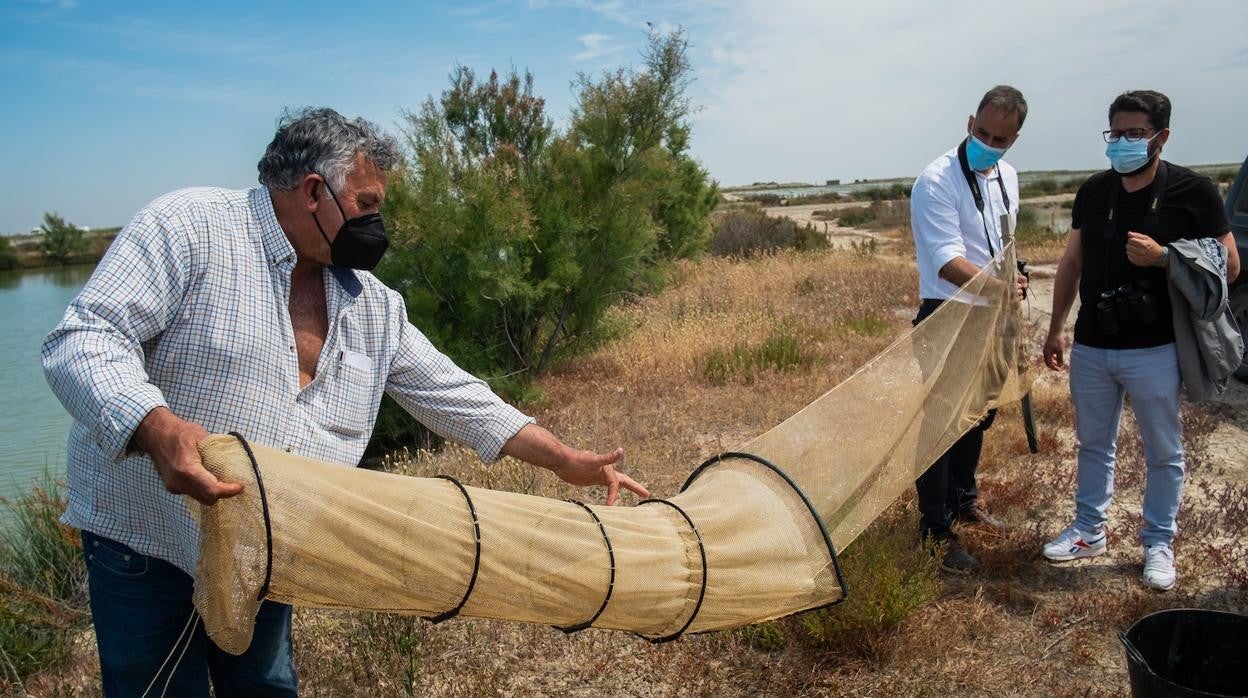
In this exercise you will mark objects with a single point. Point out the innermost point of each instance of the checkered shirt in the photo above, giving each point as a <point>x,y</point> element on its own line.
<point>189,310</point>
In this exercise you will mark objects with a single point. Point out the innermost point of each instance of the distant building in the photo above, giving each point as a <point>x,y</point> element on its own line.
<point>832,182</point>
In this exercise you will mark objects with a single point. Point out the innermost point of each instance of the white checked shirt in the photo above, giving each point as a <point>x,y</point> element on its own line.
<point>189,310</point>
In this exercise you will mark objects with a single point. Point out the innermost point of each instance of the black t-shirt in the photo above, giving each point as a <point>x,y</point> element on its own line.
<point>1190,208</point>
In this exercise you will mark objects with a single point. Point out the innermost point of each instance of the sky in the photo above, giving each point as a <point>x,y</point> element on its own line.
<point>110,104</point>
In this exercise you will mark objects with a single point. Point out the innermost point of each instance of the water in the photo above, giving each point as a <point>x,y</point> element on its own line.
<point>33,425</point>
<point>815,190</point>
<point>1024,178</point>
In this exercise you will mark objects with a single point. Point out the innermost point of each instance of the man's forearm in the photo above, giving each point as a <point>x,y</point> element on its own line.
<point>958,271</point>
<point>536,445</point>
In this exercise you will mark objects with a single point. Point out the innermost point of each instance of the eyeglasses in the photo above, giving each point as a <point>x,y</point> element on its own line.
<point>1133,135</point>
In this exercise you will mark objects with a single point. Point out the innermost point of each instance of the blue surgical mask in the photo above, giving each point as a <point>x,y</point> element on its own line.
<point>1128,157</point>
<point>980,156</point>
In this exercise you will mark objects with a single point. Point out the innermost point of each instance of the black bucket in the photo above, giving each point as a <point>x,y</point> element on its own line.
<point>1188,652</point>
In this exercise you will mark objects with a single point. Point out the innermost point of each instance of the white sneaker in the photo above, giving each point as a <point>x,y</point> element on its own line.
<point>1074,544</point>
<point>1159,567</point>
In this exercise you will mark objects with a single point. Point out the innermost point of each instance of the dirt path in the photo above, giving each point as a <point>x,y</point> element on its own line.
<point>843,236</point>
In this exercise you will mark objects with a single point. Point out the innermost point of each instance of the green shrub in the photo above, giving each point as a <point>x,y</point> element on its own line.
<point>8,255</point>
<point>855,217</point>
<point>1028,216</point>
<point>386,649</point>
<point>43,598</point>
<point>511,237</point>
<point>866,248</point>
<point>868,325</point>
<point>1048,186</point>
<point>39,553</point>
<point>764,199</point>
<point>63,242</point>
<point>824,198</point>
<point>891,192</point>
<point>768,637</point>
<point>807,238</point>
<point>1223,176</point>
<point>890,214</point>
<point>1030,230</point>
<point>889,578</point>
<point>747,233</point>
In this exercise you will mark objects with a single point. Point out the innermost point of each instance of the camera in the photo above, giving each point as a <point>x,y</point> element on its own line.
<point>1132,304</point>
<point>1022,269</point>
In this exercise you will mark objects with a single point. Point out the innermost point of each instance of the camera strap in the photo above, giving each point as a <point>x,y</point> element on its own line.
<point>1152,217</point>
<point>976,194</point>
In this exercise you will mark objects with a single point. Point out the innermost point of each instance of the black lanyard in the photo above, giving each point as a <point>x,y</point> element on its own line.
<point>1152,218</point>
<point>978,195</point>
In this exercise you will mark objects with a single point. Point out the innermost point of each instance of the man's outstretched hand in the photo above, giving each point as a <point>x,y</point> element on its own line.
<point>536,445</point>
<point>583,468</point>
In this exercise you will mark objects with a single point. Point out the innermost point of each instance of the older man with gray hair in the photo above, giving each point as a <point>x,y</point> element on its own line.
<point>252,312</point>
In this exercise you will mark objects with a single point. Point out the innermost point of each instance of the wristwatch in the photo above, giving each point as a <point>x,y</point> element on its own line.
<point>1165,256</point>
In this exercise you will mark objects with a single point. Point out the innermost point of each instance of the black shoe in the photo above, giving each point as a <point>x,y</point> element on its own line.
<point>976,515</point>
<point>956,560</point>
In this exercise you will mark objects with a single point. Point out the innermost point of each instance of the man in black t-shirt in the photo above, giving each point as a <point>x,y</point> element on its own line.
<point>1122,220</point>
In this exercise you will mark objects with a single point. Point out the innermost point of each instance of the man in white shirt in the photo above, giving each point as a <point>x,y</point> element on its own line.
<point>955,212</point>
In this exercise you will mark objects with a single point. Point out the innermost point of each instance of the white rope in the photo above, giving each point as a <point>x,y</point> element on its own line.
<point>193,618</point>
<point>185,647</point>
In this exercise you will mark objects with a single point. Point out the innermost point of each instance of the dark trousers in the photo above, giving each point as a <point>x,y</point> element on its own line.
<point>948,485</point>
<point>145,626</point>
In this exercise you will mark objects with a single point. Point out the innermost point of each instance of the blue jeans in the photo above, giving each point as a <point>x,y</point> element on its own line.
<point>140,607</point>
<point>1098,380</point>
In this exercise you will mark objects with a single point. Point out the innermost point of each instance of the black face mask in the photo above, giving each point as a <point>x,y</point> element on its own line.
<point>360,242</point>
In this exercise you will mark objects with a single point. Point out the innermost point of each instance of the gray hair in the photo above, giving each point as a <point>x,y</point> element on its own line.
<point>323,141</point>
<point>1007,99</point>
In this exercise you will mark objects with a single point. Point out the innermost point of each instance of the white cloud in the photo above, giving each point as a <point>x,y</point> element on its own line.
<point>613,10</point>
<point>595,45</point>
<point>811,90</point>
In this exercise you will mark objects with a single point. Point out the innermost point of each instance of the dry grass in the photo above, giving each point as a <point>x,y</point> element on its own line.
<point>1022,627</point>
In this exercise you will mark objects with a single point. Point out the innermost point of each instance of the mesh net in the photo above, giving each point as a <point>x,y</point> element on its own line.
<point>752,536</point>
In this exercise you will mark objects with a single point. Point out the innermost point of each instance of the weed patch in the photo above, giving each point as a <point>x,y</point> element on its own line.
<point>866,248</point>
<point>780,351</point>
<point>890,577</point>
<point>43,597</point>
<point>749,233</point>
<point>870,325</point>
<point>855,217</point>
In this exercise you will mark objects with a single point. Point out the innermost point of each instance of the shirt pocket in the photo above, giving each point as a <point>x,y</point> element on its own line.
<point>348,399</point>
